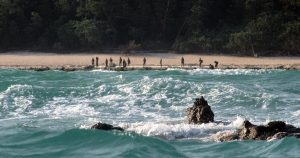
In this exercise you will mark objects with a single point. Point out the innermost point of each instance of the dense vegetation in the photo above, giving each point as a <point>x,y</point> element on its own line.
<point>243,26</point>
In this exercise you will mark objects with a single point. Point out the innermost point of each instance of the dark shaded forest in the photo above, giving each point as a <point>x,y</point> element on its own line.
<point>242,27</point>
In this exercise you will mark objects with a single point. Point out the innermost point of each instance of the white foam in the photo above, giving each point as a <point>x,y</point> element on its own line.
<point>62,107</point>
<point>181,130</point>
<point>238,122</point>
<point>223,71</point>
<point>102,70</point>
<point>296,113</point>
<point>13,89</point>
<point>14,99</point>
<point>21,103</point>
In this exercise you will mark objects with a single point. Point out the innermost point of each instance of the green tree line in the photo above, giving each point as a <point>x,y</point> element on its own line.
<point>245,27</point>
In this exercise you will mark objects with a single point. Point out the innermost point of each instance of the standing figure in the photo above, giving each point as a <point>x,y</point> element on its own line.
<point>160,62</point>
<point>110,62</point>
<point>128,61</point>
<point>93,61</point>
<point>124,63</point>
<point>200,62</point>
<point>120,61</point>
<point>216,64</point>
<point>106,62</point>
<point>182,61</point>
<point>144,61</point>
<point>97,61</point>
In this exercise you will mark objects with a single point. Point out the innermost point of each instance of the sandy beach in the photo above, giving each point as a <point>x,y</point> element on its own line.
<point>52,60</point>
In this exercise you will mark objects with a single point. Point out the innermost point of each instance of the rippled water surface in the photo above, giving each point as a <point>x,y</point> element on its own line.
<point>48,114</point>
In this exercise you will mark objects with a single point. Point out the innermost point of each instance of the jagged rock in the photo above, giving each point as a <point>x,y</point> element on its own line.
<point>200,112</point>
<point>107,127</point>
<point>275,129</point>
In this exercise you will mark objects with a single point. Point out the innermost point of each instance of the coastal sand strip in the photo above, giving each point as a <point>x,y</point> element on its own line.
<point>54,60</point>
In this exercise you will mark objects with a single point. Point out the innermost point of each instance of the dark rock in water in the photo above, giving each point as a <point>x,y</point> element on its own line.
<point>277,125</point>
<point>273,129</point>
<point>200,112</point>
<point>89,67</point>
<point>68,69</point>
<point>107,127</point>
<point>40,68</point>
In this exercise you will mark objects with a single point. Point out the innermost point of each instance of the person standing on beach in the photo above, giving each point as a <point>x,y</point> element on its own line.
<point>160,62</point>
<point>97,61</point>
<point>110,62</point>
<point>106,62</point>
<point>216,64</point>
<point>93,61</point>
<point>120,61</point>
<point>124,63</point>
<point>144,61</point>
<point>128,61</point>
<point>200,62</point>
<point>182,61</point>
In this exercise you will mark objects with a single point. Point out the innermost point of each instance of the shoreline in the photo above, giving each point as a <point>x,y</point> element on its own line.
<point>73,62</point>
<point>132,68</point>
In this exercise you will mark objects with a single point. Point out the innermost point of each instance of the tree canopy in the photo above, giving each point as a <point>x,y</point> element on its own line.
<point>246,27</point>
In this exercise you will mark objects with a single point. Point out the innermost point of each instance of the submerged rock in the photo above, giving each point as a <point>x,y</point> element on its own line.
<point>107,127</point>
<point>200,112</point>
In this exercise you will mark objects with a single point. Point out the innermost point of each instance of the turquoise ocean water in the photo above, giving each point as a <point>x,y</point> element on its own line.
<point>49,114</point>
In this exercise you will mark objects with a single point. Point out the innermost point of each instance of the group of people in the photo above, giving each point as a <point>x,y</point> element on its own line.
<point>124,63</point>
<point>200,63</point>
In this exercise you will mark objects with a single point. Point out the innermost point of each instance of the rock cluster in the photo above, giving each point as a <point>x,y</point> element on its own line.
<point>273,130</point>
<point>200,112</point>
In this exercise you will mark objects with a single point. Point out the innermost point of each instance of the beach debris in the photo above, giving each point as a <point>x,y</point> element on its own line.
<point>106,127</point>
<point>273,130</point>
<point>200,112</point>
